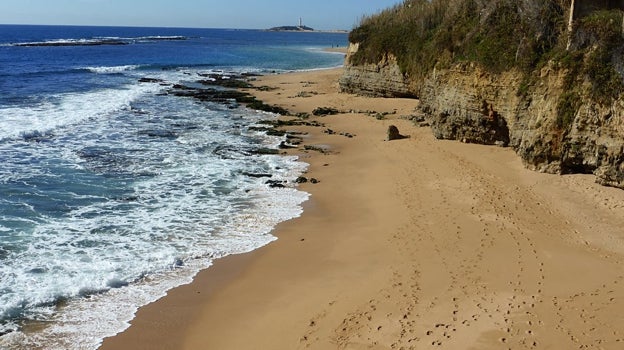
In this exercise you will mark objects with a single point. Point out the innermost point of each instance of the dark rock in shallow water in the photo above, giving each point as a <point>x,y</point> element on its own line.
<point>229,79</point>
<point>150,80</point>
<point>38,270</point>
<point>128,198</point>
<point>37,136</point>
<point>229,83</point>
<point>275,184</point>
<point>269,151</point>
<point>8,331</point>
<point>178,263</point>
<point>257,175</point>
<point>284,145</point>
<point>225,96</point>
<point>4,253</point>
<point>231,152</point>
<point>182,87</point>
<point>269,131</point>
<point>159,133</point>
<point>116,283</point>
<point>301,180</point>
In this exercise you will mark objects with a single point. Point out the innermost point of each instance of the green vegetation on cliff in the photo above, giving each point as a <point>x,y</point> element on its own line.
<point>500,35</point>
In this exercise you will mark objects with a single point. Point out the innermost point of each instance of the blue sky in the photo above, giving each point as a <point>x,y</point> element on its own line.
<point>256,14</point>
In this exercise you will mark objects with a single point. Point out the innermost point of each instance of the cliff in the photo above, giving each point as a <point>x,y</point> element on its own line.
<point>562,111</point>
<point>383,78</point>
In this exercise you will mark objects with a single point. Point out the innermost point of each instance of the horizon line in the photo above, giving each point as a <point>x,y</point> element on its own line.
<point>151,26</point>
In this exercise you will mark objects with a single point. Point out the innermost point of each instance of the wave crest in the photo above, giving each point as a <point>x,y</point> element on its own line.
<point>112,70</point>
<point>99,41</point>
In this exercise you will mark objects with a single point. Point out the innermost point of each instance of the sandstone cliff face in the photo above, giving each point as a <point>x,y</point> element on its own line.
<point>382,79</point>
<point>467,104</point>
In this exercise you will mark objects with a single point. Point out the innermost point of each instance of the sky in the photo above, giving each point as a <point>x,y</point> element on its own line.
<point>247,14</point>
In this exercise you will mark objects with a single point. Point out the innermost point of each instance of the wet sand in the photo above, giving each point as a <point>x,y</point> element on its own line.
<point>408,244</point>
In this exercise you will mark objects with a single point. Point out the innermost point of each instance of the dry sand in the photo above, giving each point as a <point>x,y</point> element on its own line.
<point>409,244</point>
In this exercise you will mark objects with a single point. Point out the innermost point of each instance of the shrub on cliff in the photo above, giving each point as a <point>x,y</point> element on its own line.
<point>498,35</point>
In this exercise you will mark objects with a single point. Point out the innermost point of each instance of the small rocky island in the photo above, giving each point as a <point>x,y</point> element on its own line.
<point>298,28</point>
<point>291,29</point>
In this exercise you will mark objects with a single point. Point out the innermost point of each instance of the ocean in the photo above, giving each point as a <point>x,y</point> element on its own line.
<point>113,191</point>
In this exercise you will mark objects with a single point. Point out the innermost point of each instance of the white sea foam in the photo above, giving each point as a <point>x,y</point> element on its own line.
<point>194,208</point>
<point>112,70</point>
<point>99,41</point>
<point>72,42</point>
<point>85,323</point>
<point>67,109</point>
<point>162,37</point>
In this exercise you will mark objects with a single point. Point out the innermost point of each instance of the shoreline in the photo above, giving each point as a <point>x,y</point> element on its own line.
<point>410,243</point>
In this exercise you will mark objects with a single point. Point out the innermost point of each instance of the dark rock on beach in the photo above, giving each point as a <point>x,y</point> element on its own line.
<point>323,111</point>
<point>393,133</point>
<point>261,106</point>
<point>269,131</point>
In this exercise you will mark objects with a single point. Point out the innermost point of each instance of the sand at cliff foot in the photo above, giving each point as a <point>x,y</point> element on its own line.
<point>410,244</point>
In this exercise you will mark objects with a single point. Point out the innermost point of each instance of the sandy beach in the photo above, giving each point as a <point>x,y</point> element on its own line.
<point>408,244</point>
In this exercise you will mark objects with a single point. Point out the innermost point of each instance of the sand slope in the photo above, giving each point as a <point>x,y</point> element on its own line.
<point>409,244</point>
